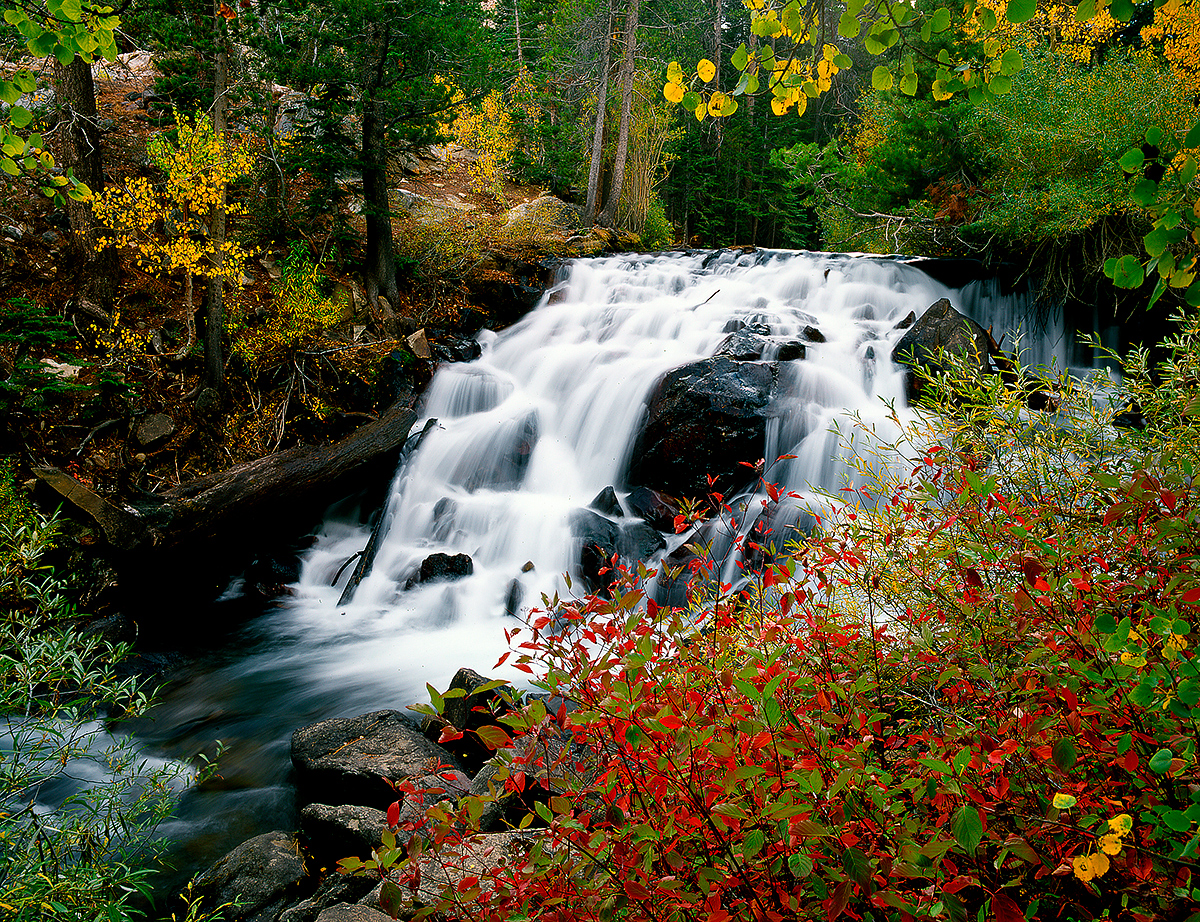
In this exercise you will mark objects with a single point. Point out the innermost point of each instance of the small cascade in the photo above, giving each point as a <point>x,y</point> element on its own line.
<point>533,432</point>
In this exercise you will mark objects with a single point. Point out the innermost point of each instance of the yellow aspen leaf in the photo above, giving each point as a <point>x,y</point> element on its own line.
<point>706,70</point>
<point>779,105</point>
<point>673,92</point>
<point>1110,844</point>
<point>701,111</point>
<point>1063,801</point>
<point>1122,824</point>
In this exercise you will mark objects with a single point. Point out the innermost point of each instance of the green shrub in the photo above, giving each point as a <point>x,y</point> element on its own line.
<point>86,855</point>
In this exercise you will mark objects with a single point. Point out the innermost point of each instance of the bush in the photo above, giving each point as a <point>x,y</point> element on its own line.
<point>972,693</point>
<point>66,850</point>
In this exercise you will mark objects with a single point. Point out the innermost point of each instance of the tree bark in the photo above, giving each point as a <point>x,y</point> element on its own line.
<point>80,152</point>
<point>214,309</point>
<point>380,255</point>
<point>593,193</point>
<point>611,214</point>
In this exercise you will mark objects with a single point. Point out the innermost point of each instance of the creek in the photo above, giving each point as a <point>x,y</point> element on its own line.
<point>526,435</point>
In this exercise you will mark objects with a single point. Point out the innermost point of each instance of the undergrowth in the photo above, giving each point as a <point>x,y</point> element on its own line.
<point>971,693</point>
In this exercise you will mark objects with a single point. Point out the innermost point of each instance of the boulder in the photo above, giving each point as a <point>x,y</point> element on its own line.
<point>335,890</point>
<point>346,912</point>
<point>353,760</point>
<point>939,333</point>
<point>334,832</point>
<point>451,347</point>
<point>812,334</point>
<point>703,419</point>
<point>263,874</point>
<point>638,542</point>
<point>154,429</point>
<point>441,567</point>
<point>658,509</point>
<point>745,345</point>
<point>606,503</point>
<point>474,709</point>
<point>594,540</point>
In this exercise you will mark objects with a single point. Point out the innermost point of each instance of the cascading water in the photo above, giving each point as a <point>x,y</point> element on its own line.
<point>527,435</point>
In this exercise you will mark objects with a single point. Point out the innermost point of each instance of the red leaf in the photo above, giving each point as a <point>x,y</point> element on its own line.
<point>1005,910</point>
<point>450,734</point>
<point>671,722</point>
<point>393,815</point>
<point>1192,596</point>
<point>839,900</point>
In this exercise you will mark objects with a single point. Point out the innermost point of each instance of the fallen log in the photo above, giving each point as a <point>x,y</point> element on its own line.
<point>237,509</point>
<point>273,490</point>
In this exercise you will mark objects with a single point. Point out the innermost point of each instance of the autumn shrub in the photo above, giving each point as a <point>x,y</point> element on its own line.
<point>971,694</point>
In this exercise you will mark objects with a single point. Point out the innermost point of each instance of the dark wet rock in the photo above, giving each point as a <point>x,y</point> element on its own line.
<point>658,509</point>
<point>154,429</point>
<point>788,350</point>
<point>450,347</point>
<point>476,708</point>
<point>334,890</point>
<point>397,378</point>
<point>334,832</point>
<point>513,598</point>
<point>1131,417</point>
<point>606,503</point>
<point>703,419</point>
<point>351,760</point>
<point>441,568</point>
<point>264,874</point>
<point>595,542</point>
<point>812,334</point>
<point>638,542</point>
<point>909,319</point>
<point>940,332</point>
<point>743,346</point>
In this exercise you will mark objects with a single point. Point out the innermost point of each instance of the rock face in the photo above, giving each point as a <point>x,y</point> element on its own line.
<point>704,419</point>
<point>595,543</point>
<point>351,760</point>
<point>264,873</point>
<point>940,332</point>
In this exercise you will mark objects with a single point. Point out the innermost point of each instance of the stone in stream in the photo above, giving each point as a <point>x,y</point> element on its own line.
<point>336,892</point>
<point>594,540</point>
<point>265,874</point>
<point>658,509</point>
<point>606,503</point>
<point>940,332</point>
<point>353,760</point>
<point>705,419</point>
<point>440,567</point>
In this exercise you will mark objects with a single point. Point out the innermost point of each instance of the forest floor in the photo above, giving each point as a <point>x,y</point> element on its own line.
<point>115,406</point>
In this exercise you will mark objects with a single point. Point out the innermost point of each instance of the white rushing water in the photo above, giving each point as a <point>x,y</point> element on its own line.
<point>529,433</point>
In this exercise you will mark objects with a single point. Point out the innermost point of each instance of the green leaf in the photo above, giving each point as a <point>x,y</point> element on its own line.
<point>71,10</point>
<point>753,843</point>
<point>941,19</point>
<point>41,45</point>
<point>967,827</point>
<point>690,101</point>
<point>848,26</point>
<point>800,865</point>
<point>20,116</point>
<point>9,166</point>
<point>1192,295</point>
<point>1085,11</point>
<point>1064,754</point>
<point>1157,241</point>
<point>740,57</point>
<point>1153,135</point>
<point>674,73</point>
<point>1160,762</point>
<point>1193,136</point>
<point>881,78</point>
<point>1144,191</point>
<point>857,866</point>
<point>1121,10</point>
<point>908,84</point>
<point>1131,161</point>
<point>9,92</point>
<point>843,61</point>
<point>1011,62</point>
<point>1001,85</point>
<point>1127,272</point>
<point>1177,820</point>
<point>1020,10</point>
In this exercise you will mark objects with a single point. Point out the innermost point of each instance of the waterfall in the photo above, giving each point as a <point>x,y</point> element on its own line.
<point>526,436</point>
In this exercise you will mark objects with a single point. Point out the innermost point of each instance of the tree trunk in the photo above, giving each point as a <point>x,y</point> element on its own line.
<point>622,153</point>
<point>593,193</point>
<point>520,50</point>
<point>80,153</point>
<point>214,311</point>
<point>380,255</point>
<point>718,29</point>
